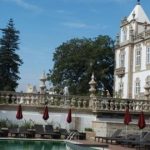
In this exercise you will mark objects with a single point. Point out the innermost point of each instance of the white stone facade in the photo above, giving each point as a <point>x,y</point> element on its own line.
<point>132,56</point>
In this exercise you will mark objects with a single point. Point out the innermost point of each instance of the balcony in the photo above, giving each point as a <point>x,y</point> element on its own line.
<point>120,72</point>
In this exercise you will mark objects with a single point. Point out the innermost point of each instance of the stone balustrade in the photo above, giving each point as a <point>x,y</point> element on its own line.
<point>98,104</point>
<point>142,35</point>
<point>42,99</point>
<point>117,104</point>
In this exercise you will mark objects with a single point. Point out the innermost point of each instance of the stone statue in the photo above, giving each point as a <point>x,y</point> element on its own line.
<point>66,91</point>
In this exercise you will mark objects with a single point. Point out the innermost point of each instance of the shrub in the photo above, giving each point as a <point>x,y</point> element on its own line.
<point>88,129</point>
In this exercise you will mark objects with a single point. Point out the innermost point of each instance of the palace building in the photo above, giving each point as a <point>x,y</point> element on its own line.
<point>132,56</point>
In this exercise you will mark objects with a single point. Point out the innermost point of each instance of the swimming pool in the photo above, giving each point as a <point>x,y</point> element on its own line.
<point>22,144</point>
<point>31,145</point>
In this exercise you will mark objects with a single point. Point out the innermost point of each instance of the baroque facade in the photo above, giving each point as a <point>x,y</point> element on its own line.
<point>132,56</point>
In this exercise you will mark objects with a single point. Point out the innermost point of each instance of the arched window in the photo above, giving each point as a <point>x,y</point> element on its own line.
<point>148,55</point>
<point>137,86</point>
<point>122,59</point>
<point>138,56</point>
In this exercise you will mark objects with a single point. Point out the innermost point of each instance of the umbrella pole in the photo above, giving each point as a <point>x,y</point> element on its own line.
<point>126,130</point>
<point>141,137</point>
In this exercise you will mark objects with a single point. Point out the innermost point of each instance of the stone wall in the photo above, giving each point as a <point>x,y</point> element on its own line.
<point>106,128</point>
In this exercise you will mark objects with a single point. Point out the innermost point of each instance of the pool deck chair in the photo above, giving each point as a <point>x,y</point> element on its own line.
<point>114,135</point>
<point>120,140</point>
<point>50,131</point>
<point>144,138</point>
<point>23,132</point>
<point>64,132</point>
<point>14,131</point>
<point>39,130</point>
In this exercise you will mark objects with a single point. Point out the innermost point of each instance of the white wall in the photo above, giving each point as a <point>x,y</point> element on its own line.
<point>79,121</point>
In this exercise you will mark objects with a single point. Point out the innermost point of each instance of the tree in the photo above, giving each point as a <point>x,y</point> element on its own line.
<point>75,60</point>
<point>9,59</point>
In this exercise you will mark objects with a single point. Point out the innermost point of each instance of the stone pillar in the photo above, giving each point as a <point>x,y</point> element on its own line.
<point>92,91</point>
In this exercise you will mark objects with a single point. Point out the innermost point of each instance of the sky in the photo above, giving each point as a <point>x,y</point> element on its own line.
<point>46,24</point>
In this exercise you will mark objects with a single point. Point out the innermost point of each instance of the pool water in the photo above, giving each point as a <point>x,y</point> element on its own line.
<point>31,145</point>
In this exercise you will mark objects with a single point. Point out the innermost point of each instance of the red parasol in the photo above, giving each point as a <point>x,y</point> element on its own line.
<point>45,114</point>
<point>127,117</point>
<point>141,121</point>
<point>19,113</point>
<point>69,117</point>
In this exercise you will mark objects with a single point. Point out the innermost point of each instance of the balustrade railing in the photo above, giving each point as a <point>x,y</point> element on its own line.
<point>42,99</point>
<point>142,35</point>
<point>117,104</point>
<point>98,103</point>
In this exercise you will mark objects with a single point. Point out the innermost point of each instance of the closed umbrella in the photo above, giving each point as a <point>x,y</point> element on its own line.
<point>69,116</point>
<point>141,121</point>
<point>127,119</point>
<point>45,114</point>
<point>19,112</point>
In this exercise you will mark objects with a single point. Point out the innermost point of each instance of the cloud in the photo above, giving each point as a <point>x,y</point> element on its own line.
<point>98,1</point>
<point>85,26</point>
<point>75,25</point>
<point>25,5</point>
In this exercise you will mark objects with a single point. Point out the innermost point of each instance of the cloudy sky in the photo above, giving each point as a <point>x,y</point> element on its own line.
<point>45,24</point>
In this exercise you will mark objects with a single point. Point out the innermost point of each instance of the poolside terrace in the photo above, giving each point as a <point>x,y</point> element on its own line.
<point>98,106</point>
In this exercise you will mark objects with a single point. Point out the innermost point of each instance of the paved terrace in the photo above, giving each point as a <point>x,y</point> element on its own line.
<point>110,146</point>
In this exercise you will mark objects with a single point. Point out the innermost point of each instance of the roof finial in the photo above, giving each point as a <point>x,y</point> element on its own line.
<point>138,2</point>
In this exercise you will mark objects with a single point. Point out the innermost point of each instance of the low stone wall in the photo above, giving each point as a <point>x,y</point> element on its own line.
<point>106,128</point>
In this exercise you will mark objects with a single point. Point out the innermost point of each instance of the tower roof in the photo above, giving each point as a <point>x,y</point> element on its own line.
<point>138,14</point>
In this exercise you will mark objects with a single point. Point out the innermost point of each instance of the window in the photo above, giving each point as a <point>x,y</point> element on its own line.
<point>148,55</point>
<point>137,86</point>
<point>121,89</point>
<point>122,59</point>
<point>148,81</point>
<point>138,56</point>
<point>124,34</point>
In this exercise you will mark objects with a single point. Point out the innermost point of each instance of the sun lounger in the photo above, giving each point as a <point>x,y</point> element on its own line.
<point>114,135</point>
<point>49,131</point>
<point>64,132</point>
<point>39,130</point>
<point>4,132</point>
<point>140,138</point>
<point>123,138</point>
<point>144,138</point>
<point>24,132</point>
<point>14,131</point>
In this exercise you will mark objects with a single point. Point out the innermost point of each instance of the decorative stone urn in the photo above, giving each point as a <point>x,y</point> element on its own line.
<point>92,91</point>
